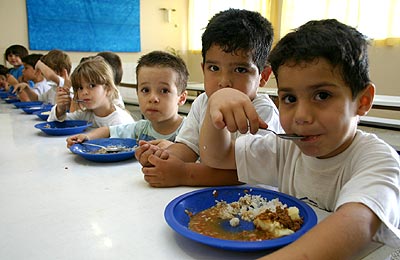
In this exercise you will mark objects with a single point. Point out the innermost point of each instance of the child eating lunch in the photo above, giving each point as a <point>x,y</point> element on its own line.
<point>94,91</point>
<point>323,82</point>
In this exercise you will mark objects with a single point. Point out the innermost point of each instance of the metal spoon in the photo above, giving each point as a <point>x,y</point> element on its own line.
<point>287,136</point>
<point>109,149</point>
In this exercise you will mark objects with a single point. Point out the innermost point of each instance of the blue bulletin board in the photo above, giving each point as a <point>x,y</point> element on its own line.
<point>84,25</point>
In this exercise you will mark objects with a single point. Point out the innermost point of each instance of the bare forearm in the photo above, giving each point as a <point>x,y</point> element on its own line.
<point>48,73</point>
<point>216,146</point>
<point>199,174</point>
<point>101,132</point>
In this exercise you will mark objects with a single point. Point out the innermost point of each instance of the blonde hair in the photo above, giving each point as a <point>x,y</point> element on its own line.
<point>95,71</point>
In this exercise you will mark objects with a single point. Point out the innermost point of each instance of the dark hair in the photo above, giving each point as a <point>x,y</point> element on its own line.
<point>57,60</point>
<point>165,60</point>
<point>341,45</point>
<point>17,50</point>
<point>3,70</point>
<point>32,59</point>
<point>116,64</point>
<point>240,30</point>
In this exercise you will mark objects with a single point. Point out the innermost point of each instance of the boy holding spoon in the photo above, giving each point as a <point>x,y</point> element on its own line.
<point>323,85</point>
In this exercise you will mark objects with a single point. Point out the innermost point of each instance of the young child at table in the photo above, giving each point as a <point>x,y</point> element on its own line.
<point>94,92</point>
<point>324,87</point>
<point>161,88</point>
<point>3,78</point>
<point>116,64</point>
<point>14,55</point>
<point>56,66</point>
<point>22,89</point>
<point>55,74</point>
<point>235,47</point>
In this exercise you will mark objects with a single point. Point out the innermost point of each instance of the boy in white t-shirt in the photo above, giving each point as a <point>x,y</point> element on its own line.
<point>29,72</point>
<point>235,47</point>
<point>324,87</point>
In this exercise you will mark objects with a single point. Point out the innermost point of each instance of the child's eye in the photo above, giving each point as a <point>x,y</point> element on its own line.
<point>287,99</point>
<point>80,88</point>
<point>322,96</point>
<point>213,68</point>
<point>164,90</point>
<point>92,85</point>
<point>144,90</point>
<point>241,70</point>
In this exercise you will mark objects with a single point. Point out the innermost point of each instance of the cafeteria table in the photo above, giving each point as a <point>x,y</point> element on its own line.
<point>56,205</point>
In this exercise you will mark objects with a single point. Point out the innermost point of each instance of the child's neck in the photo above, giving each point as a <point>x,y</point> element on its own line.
<point>105,110</point>
<point>168,126</point>
<point>38,78</point>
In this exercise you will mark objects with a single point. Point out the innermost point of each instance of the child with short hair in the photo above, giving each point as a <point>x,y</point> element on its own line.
<point>23,90</point>
<point>324,87</point>
<point>161,87</point>
<point>14,55</point>
<point>235,47</point>
<point>3,78</point>
<point>61,63</point>
<point>94,91</point>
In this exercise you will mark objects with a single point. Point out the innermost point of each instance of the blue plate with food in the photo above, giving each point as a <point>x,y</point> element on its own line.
<point>67,127</point>
<point>240,218</point>
<point>42,114</point>
<point>106,149</point>
<point>27,104</point>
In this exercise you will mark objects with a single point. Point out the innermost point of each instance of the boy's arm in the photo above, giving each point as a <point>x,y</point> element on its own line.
<point>101,132</point>
<point>48,73</point>
<point>339,236</point>
<point>223,116</point>
<point>172,171</point>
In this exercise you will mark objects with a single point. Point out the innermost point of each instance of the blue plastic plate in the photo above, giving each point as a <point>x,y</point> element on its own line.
<point>42,114</point>
<point>200,200</point>
<point>27,104</point>
<point>11,100</point>
<point>86,151</point>
<point>68,127</point>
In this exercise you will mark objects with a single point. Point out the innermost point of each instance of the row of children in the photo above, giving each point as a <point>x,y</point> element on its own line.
<point>323,85</point>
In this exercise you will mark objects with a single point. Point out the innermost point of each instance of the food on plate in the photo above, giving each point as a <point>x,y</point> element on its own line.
<point>105,150</point>
<point>251,218</point>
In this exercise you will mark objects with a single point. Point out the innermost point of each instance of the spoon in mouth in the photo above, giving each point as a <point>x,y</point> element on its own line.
<point>287,136</point>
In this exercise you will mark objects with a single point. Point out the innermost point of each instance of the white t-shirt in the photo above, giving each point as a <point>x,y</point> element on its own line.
<point>367,172</point>
<point>141,130</point>
<point>119,116</point>
<point>190,131</point>
<point>41,87</point>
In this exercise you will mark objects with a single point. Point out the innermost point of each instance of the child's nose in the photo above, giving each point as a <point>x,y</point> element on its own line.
<point>225,81</point>
<point>303,113</point>
<point>154,97</point>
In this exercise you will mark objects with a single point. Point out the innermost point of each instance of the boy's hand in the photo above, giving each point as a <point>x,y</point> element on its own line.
<point>161,143</point>
<point>18,88</point>
<point>168,170</point>
<point>143,152</point>
<point>236,113</point>
<point>80,138</point>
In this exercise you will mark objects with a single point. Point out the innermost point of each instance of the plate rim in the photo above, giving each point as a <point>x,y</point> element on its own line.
<point>232,244</point>
<point>101,157</point>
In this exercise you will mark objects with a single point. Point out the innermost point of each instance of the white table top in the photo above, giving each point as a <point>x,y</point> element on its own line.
<point>56,205</point>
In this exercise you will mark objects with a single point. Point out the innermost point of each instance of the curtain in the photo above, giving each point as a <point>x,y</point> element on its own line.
<point>378,20</point>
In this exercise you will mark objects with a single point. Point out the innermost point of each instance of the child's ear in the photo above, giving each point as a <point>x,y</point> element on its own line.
<point>182,98</point>
<point>365,100</point>
<point>265,74</point>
